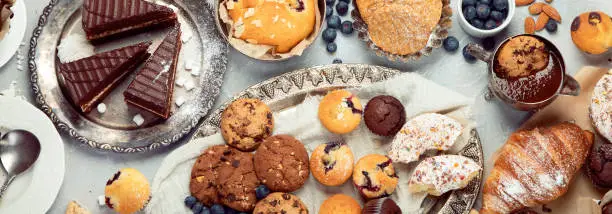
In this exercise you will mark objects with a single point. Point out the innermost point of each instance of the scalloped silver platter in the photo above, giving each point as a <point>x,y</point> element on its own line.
<point>114,130</point>
<point>291,88</point>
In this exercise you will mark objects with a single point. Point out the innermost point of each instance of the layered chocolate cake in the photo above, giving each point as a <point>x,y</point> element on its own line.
<point>87,81</point>
<point>105,19</point>
<point>153,86</point>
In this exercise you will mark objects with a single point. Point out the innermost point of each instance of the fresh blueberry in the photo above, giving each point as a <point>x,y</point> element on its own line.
<point>451,43</point>
<point>229,210</point>
<point>488,43</point>
<point>484,1</point>
<point>551,26</point>
<point>190,201</point>
<point>342,8</point>
<point>483,11</point>
<point>329,35</point>
<point>261,192</point>
<point>197,207</point>
<point>337,61</point>
<point>500,4</point>
<point>334,22</point>
<point>469,12</point>
<point>497,16</point>
<point>347,27</point>
<point>490,24</point>
<point>467,56</point>
<point>328,11</point>
<point>217,209</point>
<point>347,1</point>
<point>466,3</point>
<point>330,2</point>
<point>477,23</point>
<point>332,47</point>
<point>205,210</point>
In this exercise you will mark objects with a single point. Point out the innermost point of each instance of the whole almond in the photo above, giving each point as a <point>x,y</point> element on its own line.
<point>536,8</point>
<point>523,2</point>
<point>551,12</point>
<point>530,25</point>
<point>541,22</point>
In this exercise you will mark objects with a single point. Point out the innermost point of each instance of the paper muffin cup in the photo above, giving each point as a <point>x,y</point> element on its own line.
<point>261,52</point>
<point>438,34</point>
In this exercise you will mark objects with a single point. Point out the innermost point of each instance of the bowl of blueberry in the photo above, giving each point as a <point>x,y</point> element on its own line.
<point>485,18</point>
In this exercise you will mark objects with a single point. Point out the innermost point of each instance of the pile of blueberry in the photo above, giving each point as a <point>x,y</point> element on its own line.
<point>485,14</point>
<point>198,208</point>
<point>334,23</point>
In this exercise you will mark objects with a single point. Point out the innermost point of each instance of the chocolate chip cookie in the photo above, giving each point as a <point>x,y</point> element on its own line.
<point>246,123</point>
<point>281,163</point>
<point>225,175</point>
<point>279,202</point>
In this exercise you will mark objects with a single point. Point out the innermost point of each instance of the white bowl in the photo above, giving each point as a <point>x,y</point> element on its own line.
<point>475,32</point>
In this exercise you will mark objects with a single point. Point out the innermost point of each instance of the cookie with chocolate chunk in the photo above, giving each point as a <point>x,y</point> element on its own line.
<point>205,173</point>
<point>237,182</point>
<point>281,163</point>
<point>245,123</point>
<point>279,202</point>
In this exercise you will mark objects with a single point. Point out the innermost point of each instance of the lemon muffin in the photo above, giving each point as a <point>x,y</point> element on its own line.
<point>332,163</point>
<point>374,176</point>
<point>340,204</point>
<point>281,24</point>
<point>340,111</point>
<point>128,191</point>
<point>592,32</point>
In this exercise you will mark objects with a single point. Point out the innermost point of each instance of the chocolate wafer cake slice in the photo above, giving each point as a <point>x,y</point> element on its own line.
<point>87,81</point>
<point>153,87</point>
<point>105,19</point>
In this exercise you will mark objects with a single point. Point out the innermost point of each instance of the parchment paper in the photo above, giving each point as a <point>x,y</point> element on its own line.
<point>418,95</point>
<point>567,108</point>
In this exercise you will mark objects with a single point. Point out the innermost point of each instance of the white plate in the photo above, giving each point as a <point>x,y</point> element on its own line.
<point>36,189</point>
<point>13,39</point>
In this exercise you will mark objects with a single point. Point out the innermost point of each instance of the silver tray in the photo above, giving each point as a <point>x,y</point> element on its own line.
<point>114,130</point>
<point>291,88</point>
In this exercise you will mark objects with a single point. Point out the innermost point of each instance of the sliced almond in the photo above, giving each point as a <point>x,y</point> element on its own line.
<point>536,8</point>
<point>523,2</point>
<point>530,25</point>
<point>552,12</point>
<point>541,22</point>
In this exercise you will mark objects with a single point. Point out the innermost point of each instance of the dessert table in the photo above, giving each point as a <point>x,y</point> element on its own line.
<point>87,170</point>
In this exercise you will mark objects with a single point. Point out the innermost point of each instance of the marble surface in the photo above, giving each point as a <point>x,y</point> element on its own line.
<point>87,170</point>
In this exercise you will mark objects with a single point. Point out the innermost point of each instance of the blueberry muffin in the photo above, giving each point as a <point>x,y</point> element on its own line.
<point>128,191</point>
<point>340,111</point>
<point>374,176</point>
<point>281,163</point>
<point>245,123</point>
<point>592,32</point>
<point>280,202</point>
<point>340,204</point>
<point>332,163</point>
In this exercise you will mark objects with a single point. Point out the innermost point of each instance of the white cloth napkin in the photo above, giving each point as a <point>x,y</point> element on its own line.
<point>417,94</point>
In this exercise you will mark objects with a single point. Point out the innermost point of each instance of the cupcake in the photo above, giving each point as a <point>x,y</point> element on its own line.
<point>270,30</point>
<point>332,163</point>
<point>381,206</point>
<point>5,16</point>
<point>340,204</point>
<point>340,111</point>
<point>127,191</point>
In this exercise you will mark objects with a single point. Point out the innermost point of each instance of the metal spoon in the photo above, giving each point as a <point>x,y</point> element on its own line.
<point>19,149</point>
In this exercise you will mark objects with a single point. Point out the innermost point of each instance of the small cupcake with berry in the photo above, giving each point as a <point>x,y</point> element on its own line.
<point>332,163</point>
<point>127,191</point>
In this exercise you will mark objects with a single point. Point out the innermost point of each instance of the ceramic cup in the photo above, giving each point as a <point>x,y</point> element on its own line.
<point>567,85</point>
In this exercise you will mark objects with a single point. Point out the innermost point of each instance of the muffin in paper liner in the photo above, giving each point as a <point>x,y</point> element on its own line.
<point>261,51</point>
<point>438,34</point>
<point>127,191</point>
<point>5,16</point>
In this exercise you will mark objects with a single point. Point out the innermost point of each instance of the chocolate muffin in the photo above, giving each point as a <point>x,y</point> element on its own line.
<point>384,115</point>
<point>599,166</point>
<point>381,206</point>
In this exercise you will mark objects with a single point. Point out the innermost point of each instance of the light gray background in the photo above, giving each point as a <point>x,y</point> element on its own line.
<point>87,170</point>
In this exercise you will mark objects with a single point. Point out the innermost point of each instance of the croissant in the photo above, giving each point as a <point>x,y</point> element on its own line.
<point>535,167</point>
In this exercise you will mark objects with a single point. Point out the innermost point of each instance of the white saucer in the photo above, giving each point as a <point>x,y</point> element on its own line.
<point>35,190</point>
<point>13,39</point>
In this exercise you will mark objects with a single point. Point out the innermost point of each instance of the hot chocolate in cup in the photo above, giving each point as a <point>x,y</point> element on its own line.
<point>526,72</point>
